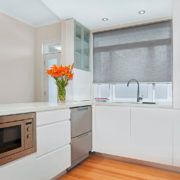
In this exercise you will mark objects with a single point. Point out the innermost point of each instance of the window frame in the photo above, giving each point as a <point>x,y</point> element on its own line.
<point>46,58</point>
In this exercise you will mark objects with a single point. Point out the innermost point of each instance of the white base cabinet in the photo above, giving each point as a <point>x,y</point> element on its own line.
<point>53,154</point>
<point>45,167</point>
<point>51,164</point>
<point>53,143</point>
<point>111,133</point>
<point>148,134</point>
<point>21,169</point>
<point>176,149</point>
<point>152,135</point>
<point>52,136</point>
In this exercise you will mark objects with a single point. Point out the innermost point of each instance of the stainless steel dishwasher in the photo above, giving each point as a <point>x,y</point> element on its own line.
<point>81,134</point>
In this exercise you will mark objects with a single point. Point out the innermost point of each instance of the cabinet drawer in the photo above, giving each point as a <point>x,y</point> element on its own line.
<point>48,117</point>
<point>21,169</point>
<point>80,146</point>
<point>53,136</point>
<point>54,163</point>
<point>81,120</point>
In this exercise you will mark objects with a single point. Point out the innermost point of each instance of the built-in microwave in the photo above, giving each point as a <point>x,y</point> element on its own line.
<point>17,136</point>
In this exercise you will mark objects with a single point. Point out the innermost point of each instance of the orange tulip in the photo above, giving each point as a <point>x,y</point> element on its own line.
<point>61,71</point>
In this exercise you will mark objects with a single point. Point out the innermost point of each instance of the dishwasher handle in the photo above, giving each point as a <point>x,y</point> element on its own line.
<point>82,108</point>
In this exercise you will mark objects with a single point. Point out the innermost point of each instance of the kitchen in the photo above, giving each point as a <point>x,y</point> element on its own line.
<point>120,106</point>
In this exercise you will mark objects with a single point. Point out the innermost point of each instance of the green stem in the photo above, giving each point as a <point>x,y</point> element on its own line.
<point>61,87</point>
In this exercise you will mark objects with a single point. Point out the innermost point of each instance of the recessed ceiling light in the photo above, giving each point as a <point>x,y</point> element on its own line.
<point>142,12</point>
<point>105,19</point>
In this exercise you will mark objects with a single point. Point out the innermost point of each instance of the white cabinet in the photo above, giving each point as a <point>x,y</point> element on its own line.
<point>81,46</point>
<point>21,169</point>
<point>176,153</point>
<point>52,136</point>
<point>53,154</point>
<point>148,134</point>
<point>152,134</point>
<point>53,163</point>
<point>76,50</point>
<point>49,117</point>
<point>76,44</point>
<point>53,130</point>
<point>45,167</point>
<point>111,128</point>
<point>53,143</point>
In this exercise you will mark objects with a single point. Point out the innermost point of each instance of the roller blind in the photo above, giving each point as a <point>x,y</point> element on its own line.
<point>142,52</point>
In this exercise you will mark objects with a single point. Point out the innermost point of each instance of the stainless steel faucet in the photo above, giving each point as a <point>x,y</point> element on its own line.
<point>136,81</point>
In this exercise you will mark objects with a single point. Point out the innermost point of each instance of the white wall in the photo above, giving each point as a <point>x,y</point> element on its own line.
<point>176,53</point>
<point>17,45</point>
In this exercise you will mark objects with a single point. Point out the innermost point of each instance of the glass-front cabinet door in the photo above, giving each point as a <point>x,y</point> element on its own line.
<point>85,49</point>
<point>78,46</point>
<point>81,46</point>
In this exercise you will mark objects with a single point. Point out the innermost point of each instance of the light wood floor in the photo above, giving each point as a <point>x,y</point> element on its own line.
<point>100,168</point>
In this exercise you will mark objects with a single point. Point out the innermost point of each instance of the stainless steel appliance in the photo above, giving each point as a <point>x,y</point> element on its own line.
<point>81,134</point>
<point>17,136</point>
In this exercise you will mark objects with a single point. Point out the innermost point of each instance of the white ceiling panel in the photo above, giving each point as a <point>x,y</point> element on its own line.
<point>90,12</point>
<point>87,12</point>
<point>32,12</point>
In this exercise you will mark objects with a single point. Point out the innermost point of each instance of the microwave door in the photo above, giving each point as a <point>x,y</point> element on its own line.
<point>11,138</point>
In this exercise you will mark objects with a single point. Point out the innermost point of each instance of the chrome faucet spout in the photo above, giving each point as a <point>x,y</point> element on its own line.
<point>138,87</point>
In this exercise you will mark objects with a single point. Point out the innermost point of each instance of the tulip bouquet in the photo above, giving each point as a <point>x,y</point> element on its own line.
<point>62,75</point>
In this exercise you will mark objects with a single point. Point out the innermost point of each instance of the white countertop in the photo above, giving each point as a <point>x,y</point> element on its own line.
<point>17,108</point>
<point>134,104</point>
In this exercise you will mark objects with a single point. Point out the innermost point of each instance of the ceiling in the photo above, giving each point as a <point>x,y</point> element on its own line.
<point>91,12</point>
<point>32,12</point>
<point>87,12</point>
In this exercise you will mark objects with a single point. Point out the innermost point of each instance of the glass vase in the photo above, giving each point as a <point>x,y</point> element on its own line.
<point>62,93</point>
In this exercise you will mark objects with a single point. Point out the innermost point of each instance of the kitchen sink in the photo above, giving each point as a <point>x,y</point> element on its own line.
<point>132,102</point>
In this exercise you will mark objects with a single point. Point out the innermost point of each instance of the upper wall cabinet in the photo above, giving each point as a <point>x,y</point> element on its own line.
<point>81,53</point>
<point>75,44</point>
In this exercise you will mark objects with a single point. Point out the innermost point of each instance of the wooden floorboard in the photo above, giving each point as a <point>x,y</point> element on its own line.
<point>101,168</point>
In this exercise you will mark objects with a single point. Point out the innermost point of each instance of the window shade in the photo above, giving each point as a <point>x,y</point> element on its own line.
<point>143,53</point>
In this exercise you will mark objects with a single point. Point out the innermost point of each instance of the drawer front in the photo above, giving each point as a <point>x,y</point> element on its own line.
<point>53,136</point>
<point>22,169</point>
<point>54,163</point>
<point>81,120</point>
<point>80,146</point>
<point>48,117</point>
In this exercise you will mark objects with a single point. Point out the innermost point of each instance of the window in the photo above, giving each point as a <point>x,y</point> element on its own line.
<point>159,93</point>
<point>143,53</point>
<point>102,91</point>
<point>50,48</point>
<point>51,53</point>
